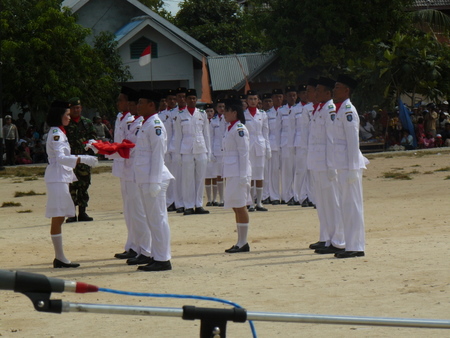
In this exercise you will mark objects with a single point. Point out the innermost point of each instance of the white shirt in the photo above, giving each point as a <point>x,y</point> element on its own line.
<point>274,123</point>
<point>217,130</point>
<point>151,145</point>
<point>258,130</point>
<point>61,162</point>
<point>236,162</point>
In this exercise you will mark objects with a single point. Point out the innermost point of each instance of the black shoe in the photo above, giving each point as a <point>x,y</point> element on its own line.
<point>305,203</point>
<point>317,245</point>
<point>276,202</point>
<point>260,208</point>
<point>141,259</point>
<point>328,250</point>
<point>156,266</point>
<point>291,201</point>
<point>349,254</point>
<point>58,264</point>
<point>221,204</point>
<point>171,208</point>
<point>189,211</point>
<point>71,219</point>
<point>250,209</point>
<point>83,217</point>
<point>126,254</point>
<point>235,248</point>
<point>209,204</point>
<point>180,210</point>
<point>201,211</point>
<point>282,202</point>
<point>266,201</point>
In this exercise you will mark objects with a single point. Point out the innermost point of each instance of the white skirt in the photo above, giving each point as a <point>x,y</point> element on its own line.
<point>235,194</point>
<point>59,201</point>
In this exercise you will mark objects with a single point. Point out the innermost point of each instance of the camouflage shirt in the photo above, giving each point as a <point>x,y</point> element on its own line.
<point>79,132</point>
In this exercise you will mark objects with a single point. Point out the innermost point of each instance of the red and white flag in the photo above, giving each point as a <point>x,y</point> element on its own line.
<point>146,56</point>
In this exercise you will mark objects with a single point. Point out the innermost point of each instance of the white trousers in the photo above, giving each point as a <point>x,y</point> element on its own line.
<point>193,179</point>
<point>328,210</point>
<point>351,201</point>
<point>177,183</point>
<point>139,238</point>
<point>301,178</point>
<point>157,221</point>
<point>273,181</point>
<point>287,173</point>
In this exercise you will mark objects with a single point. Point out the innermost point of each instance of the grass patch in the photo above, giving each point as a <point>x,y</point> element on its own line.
<point>415,166</point>
<point>101,170</point>
<point>33,178</point>
<point>29,193</point>
<point>397,168</point>
<point>414,172</point>
<point>33,173</point>
<point>397,176</point>
<point>443,169</point>
<point>11,204</point>
<point>24,211</point>
<point>17,181</point>
<point>428,172</point>
<point>447,178</point>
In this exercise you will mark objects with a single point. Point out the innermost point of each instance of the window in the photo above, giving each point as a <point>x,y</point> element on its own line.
<point>137,47</point>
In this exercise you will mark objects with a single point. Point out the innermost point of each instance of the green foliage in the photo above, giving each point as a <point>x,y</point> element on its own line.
<point>45,56</point>
<point>218,24</point>
<point>157,6</point>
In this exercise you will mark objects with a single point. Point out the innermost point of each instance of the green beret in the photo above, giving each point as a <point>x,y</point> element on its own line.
<point>74,101</point>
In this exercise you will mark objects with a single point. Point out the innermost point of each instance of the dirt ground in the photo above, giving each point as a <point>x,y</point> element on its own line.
<point>405,273</point>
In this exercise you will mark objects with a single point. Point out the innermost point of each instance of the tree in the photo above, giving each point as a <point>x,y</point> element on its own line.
<point>157,6</point>
<point>218,24</point>
<point>44,56</point>
<point>321,36</point>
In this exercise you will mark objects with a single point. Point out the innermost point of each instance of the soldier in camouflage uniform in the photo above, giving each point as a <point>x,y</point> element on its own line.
<point>79,130</point>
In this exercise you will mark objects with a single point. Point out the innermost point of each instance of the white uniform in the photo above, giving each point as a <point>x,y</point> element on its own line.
<point>258,130</point>
<point>307,114</point>
<point>192,141</point>
<point>301,125</point>
<point>58,175</point>
<point>236,165</point>
<point>319,145</point>
<point>272,168</point>
<point>167,118</point>
<point>287,116</point>
<point>175,163</point>
<point>119,135</point>
<point>349,162</point>
<point>218,128</point>
<point>149,169</point>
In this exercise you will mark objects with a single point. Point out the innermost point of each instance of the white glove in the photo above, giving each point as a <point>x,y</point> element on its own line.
<point>352,176</point>
<point>213,158</point>
<point>332,174</point>
<point>268,153</point>
<point>154,189</point>
<point>88,160</point>
<point>244,181</point>
<point>89,145</point>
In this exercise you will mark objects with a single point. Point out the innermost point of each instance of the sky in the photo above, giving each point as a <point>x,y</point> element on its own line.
<point>172,6</point>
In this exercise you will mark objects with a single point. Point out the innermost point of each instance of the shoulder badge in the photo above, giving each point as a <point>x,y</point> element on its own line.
<point>157,121</point>
<point>158,131</point>
<point>332,115</point>
<point>348,106</point>
<point>55,130</point>
<point>331,106</point>
<point>241,133</point>
<point>240,125</point>
<point>349,116</point>
<point>56,137</point>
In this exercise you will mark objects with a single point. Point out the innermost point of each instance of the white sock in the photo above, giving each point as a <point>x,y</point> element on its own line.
<point>58,246</point>
<point>253,194</point>
<point>208,192</point>
<point>259,192</point>
<point>220,190</point>
<point>242,230</point>
<point>214,192</point>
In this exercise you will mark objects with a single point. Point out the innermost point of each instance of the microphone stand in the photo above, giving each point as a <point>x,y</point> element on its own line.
<point>213,321</point>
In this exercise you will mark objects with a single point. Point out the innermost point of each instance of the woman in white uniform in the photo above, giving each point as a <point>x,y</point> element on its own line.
<point>237,171</point>
<point>58,175</point>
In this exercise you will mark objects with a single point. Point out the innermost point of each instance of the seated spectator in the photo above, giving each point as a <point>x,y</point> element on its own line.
<point>446,135</point>
<point>438,141</point>
<point>407,140</point>
<point>23,153</point>
<point>39,155</point>
<point>101,129</point>
<point>428,141</point>
<point>366,130</point>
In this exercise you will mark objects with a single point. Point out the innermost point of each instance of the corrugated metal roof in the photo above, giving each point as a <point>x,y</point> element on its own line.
<point>126,29</point>
<point>229,71</point>
<point>431,3</point>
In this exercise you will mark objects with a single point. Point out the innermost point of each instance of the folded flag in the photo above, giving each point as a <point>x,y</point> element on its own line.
<point>108,148</point>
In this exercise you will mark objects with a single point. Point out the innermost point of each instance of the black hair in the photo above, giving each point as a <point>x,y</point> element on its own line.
<point>54,116</point>
<point>235,105</point>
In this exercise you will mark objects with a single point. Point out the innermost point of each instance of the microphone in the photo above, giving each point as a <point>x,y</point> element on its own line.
<point>24,282</point>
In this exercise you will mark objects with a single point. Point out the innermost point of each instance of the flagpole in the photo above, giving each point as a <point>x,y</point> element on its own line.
<point>151,76</point>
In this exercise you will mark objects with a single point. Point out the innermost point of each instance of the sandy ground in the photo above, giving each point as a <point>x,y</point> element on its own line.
<point>405,273</point>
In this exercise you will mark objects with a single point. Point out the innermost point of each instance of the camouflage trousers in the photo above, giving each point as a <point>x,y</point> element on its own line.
<point>79,190</point>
